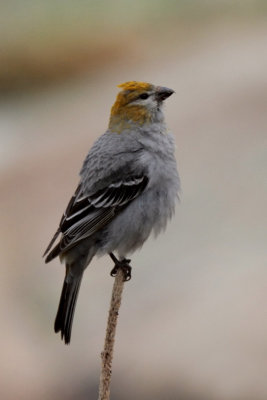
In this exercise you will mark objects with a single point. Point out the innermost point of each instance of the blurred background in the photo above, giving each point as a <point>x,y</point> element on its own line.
<point>193,323</point>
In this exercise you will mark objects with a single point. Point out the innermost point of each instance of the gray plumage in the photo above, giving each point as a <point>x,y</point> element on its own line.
<point>128,188</point>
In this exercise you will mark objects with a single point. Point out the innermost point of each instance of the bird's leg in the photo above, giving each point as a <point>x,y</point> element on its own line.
<point>124,264</point>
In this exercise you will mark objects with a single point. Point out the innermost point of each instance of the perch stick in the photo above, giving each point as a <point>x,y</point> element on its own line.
<point>107,353</point>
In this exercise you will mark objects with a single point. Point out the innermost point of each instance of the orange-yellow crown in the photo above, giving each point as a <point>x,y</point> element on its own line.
<point>134,85</point>
<point>130,90</point>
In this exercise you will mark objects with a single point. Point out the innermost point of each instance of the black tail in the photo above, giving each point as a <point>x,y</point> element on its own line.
<point>66,308</point>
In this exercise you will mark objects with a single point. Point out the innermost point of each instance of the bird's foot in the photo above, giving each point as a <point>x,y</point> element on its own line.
<point>124,265</point>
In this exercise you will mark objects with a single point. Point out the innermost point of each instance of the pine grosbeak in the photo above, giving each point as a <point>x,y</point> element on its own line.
<point>128,188</point>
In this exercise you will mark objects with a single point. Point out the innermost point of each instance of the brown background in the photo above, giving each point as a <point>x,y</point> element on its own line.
<point>193,323</point>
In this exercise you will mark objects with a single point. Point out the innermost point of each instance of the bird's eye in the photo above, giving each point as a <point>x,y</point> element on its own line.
<point>144,96</point>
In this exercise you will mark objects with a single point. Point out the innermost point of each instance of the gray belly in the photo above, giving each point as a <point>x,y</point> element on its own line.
<point>131,228</point>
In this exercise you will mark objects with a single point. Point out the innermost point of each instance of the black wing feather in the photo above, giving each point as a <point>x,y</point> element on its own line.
<point>85,215</point>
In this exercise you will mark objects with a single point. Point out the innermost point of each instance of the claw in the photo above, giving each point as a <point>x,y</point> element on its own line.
<point>124,265</point>
<point>114,271</point>
<point>127,272</point>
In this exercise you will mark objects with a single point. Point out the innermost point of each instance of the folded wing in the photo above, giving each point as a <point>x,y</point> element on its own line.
<point>87,214</point>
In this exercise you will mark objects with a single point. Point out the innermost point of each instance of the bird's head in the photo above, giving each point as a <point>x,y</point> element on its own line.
<point>138,103</point>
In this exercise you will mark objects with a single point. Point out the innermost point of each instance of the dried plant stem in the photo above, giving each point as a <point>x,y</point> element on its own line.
<point>107,353</point>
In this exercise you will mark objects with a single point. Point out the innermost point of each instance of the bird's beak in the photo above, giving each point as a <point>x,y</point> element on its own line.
<point>162,93</point>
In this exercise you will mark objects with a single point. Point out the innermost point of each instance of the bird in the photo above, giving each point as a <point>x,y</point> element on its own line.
<point>128,189</point>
